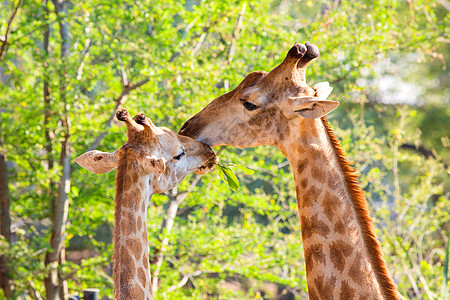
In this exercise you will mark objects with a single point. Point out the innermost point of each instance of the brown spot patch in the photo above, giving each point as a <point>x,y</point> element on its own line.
<point>347,292</point>
<point>339,227</point>
<point>130,199</point>
<point>310,196</point>
<point>126,264</point>
<point>143,207</point>
<point>124,289</point>
<point>313,225</point>
<point>355,272</point>
<point>134,245</point>
<point>330,205</point>
<point>301,166</point>
<point>139,223</point>
<point>313,295</point>
<point>318,174</point>
<point>127,185</point>
<point>318,282</point>
<point>316,154</point>
<point>135,177</point>
<point>128,225</point>
<point>304,183</point>
<point>325,286</point>
<point>145,236</point>
<point>142,276</point>
<point>339,250</point>
<point>137,293</point>
<point>145,261</point>
<point>125,268</point>
<point>314,255</point>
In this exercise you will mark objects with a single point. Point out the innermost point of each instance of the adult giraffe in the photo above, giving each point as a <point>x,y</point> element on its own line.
<point>153,160</point>
<point>342,255</point>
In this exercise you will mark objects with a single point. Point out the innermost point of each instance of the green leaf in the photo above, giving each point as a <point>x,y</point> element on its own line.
<point>221,173</point>
<point>233,182</point>
<point>228,176</point>
<point>242,167</point>
<point>245,169</point>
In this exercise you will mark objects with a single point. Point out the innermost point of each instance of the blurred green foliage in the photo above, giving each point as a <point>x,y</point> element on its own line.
<point>225,244</point>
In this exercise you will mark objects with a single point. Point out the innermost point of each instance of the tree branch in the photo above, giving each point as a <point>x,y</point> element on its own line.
<point>236,30</point>
<point>5,225</point>
<point>184,280</point>
<point>420,149</point>
<point>202,35</point>
<point>8,30</point>
<point>444,3</point>
<point>427,153</point>
<point>54,285</point>
<point>84,56</point>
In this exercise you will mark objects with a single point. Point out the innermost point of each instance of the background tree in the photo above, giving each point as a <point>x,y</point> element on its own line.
<point>67,65</point>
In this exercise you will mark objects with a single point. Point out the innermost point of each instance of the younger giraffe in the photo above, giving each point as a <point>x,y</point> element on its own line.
<point>342,255</point>
<point>153,160</point>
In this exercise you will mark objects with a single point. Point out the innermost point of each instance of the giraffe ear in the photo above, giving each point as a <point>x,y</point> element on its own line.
<point>97,162</point>
<point>311,107</point>
<point>155,165</point>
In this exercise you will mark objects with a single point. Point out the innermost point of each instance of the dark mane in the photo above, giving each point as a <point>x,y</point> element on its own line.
<point>362,214</point>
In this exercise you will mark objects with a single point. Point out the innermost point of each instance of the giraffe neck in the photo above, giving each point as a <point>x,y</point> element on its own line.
<point>131,272</point>
<point>342,256</point>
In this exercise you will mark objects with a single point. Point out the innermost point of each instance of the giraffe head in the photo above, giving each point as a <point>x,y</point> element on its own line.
<point>260,110</point>
<point>158,151</point>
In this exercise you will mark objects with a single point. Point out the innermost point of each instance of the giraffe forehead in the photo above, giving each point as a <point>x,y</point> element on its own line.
<point>168,144</point>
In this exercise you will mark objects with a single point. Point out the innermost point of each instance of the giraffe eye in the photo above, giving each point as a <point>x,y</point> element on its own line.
<point>178,157</point>
<point>250,106</point>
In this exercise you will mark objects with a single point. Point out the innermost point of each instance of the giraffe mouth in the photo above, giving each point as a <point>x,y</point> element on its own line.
<point>208,166</point>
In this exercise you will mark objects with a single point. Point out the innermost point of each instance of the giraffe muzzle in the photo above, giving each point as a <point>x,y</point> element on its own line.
<point>209,164</point>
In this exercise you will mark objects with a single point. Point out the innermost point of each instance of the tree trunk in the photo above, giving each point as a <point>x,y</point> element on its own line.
<point>175,200</point>
<point>56,287</point>
<point>49,135</point>
<point>5,225</point>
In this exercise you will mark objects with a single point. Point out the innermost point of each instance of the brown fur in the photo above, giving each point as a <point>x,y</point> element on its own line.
<point>120,288</point>
<point>314,254</point>
<point>347,292</point>
<point>313,225</point>
<point>360,206</point>
<point>339,250</point>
